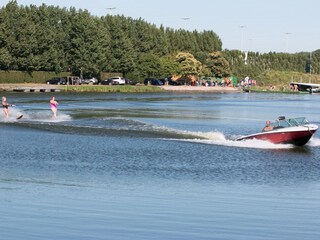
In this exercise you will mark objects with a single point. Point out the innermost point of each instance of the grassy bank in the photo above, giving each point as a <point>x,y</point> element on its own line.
<point>282,79</point>
<point>113,88</point>
<point>275,90</point>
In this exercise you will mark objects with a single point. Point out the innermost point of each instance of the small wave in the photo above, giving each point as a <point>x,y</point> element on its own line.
<point>13,114</point>
<point>218,138</point>
<point>252,143</point>
<point>47,117</point>
<point>314,142</point>
<point>213,135</point>
<point>40,116</point>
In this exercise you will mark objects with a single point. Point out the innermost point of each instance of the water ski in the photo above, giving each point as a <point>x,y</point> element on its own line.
<point>20,117</point>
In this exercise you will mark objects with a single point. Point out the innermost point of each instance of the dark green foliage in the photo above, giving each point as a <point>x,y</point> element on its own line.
<point>169,66</point>
<point>54,39</point>
<point>258,63</point>
<point>218,65</point>
<point>48,38</point>
<point>122,55</point>
<point>148,65</point>
<point>27,77</point>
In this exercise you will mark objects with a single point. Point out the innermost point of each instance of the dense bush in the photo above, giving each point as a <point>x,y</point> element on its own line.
<point>25,77</point>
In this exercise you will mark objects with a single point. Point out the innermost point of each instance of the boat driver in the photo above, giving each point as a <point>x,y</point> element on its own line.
<point>268,127</point>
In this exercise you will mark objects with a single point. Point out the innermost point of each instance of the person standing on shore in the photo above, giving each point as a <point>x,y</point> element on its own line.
<point>54,107</point>
<point>5,106</point>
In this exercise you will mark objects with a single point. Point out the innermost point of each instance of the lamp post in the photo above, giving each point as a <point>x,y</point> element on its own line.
<point>185,19</point>
<point>251,46</point>
<point>110,9</point>
<point>287,40</point>
<point>310,67</point>
<point>242,27</point>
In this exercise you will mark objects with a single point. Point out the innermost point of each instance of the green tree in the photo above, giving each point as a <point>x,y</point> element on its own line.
<point>188,65</point>
<point>49,51</point>
<point>19,36</point>
<point>218,65</point>
<point>123,56</point>
<point>5,59</point>
<point>169,66</point>
<point>148,65</point>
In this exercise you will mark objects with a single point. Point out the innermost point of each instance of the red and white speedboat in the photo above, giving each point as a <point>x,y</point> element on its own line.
<point>297,131</point>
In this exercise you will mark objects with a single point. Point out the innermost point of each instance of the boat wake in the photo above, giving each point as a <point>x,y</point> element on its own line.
<point>14,113</point>
<point>65,124</point>
<point>46,117</point>
<point>314,142</point>
<point>41,116</point>
<point>218,138</point>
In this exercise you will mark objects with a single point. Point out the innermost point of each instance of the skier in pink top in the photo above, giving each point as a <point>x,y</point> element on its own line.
<point>53,107</point>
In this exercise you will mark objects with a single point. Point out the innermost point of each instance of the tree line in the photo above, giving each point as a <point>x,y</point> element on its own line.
<point>258,63</point>
<point>49,38</point>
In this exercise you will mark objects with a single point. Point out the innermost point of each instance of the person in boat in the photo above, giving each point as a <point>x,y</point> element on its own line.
<point>268,127</point>
<point>54,107</point>
<point>5,106</point>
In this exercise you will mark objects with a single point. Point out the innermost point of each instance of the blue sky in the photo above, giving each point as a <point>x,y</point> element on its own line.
<point>249,25</point>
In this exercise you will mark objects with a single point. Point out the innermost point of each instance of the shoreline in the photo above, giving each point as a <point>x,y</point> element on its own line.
<point>29,87</point>
<point>34,87</point>
<point>184,88</point>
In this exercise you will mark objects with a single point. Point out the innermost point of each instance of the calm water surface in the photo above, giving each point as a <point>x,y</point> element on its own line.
<point>156,166</point>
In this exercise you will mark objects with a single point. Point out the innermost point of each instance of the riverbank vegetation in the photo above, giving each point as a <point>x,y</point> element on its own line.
<point>283,78</point>
<point>279,81</point>
<point>61,40</point>
<point>112,89</point>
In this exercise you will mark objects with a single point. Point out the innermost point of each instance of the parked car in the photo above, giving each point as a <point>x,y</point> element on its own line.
<point>57,81</point>
<point>90,81</point>
<point>74,80</point>
<point>118,80</point>
<point>153,81</point>
<point>172,82</point>
<point>163,81</point>
<point>131,82</point>
<point>106,82</point>
<point>169,81</point>
<point>114,81</point>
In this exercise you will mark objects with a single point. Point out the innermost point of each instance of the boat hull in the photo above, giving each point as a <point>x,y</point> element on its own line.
<point>298,136</point>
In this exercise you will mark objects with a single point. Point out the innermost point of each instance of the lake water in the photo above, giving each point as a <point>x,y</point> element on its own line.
<point>156,166</point>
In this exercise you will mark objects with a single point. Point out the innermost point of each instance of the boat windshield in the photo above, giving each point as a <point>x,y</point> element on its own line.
<point>290,122</point>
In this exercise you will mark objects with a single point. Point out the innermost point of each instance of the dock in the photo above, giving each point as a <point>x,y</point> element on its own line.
<point>36,90</point>
<point>29,88</point>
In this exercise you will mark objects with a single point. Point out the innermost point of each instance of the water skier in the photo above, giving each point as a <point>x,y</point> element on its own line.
<point>54,107</point>
<point>5,106</point>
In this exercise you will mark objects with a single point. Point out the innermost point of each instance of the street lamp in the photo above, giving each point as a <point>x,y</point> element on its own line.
<point>310,67</point>
<point>287,34</point>
<point>110,9</point>
<point>185,19</point>
<point>242,27</point>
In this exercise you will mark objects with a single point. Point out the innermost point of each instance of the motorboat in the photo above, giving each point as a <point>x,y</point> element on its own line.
<point>315,90</point>
<point>296,131</point>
